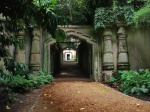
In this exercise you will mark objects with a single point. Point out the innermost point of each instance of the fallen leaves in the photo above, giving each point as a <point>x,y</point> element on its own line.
<point>45,108</point>
<point>82,108</point>
<point>45,94</point>
<point>7,107</point>
<point>78,91</point>
<point>137,104</point>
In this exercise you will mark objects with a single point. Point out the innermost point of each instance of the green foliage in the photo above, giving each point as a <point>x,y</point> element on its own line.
<point>133,82</point>
<point>5,86</point>
<point>60,35</point>
<point>30,14</point>
<point>106,15</point>
<point>18,16</point>
<point>44,2</point>
<point>142,15</point>
<point>19,83</point>
<point>72,11</point>
<point>102,16</point>
<point>40,79</point>
<point>15,67</point>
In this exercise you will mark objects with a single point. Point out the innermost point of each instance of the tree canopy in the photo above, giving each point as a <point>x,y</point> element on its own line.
<point>143,14</point>
<point>30,12</point>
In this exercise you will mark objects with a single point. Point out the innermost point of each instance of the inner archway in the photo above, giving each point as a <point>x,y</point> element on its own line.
<point>76,59</point>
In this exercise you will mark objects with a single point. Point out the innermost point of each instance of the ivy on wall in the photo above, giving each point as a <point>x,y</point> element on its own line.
<point>106,15</point>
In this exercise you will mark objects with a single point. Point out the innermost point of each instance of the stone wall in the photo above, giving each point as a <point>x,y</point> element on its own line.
<point>107,51</point>
<point>130,46</point>
<point>139,47</point>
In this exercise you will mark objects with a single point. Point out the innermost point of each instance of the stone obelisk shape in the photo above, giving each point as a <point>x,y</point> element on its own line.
<point>123,61</point>
<point>108,60</point>
<point>20,53</point>
<point>35,59</point>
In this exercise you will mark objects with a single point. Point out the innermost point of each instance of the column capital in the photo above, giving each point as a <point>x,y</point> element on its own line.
<point>121,30</point>
<point>107,33</point>
<point>121,24</point>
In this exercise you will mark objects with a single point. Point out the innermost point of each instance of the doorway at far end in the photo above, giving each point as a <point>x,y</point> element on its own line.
<point>69,55</point>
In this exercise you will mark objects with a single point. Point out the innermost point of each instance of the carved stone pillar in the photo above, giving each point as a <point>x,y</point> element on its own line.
<point>108,60</point>
<point>123,61</point>
<point>35,58</point>
<point>2,64</point>
<point>20,52</point>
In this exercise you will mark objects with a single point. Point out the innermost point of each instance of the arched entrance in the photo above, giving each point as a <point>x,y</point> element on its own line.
<point>85,50</point>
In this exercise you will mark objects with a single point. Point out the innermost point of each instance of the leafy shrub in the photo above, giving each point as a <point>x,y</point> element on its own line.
<point>40,79</point>
<point>6,92</point>
<point>21,84</point>
<point>18,83</point>
<point>16,68</point>
<point>133,82</point>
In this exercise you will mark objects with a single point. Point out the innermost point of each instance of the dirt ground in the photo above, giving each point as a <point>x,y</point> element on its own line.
<point>23,102</point>
<point>70,93</point>
<point>76,96</point>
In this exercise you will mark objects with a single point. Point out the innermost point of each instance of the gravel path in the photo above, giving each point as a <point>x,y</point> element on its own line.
<point>72,91</point>
<point>76,96</point>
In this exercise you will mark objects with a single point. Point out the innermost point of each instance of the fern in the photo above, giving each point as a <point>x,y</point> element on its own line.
<point>133,82</point>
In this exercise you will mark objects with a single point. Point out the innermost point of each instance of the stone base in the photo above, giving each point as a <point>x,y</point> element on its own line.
<point>107,75</point>
<point>123,66</point>
<point>107,66</point>
<point>35,68</point>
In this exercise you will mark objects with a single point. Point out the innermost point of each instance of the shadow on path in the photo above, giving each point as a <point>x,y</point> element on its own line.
<point>70,71</point>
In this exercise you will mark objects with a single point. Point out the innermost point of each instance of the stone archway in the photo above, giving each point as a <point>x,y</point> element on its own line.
<point>83,33</point>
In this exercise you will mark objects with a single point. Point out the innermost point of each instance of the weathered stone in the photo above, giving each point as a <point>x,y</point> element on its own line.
<point>2,64</point>
<point>20,53</point>
<point>35,59</point>
<point>108,60</point>
<point>123,61</point>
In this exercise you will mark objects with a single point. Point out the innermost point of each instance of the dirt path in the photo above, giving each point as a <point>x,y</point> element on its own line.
<point>71,70</point>
<point>71,91</point>
<point>76,96</point>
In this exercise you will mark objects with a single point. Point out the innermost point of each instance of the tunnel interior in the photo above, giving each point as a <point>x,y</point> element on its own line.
<point>71,58</point>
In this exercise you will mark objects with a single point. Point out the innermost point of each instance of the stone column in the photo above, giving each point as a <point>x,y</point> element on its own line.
<point>1,59</point>
<point>20,53</point>
<point>35,57</point>
<point>108,59</point>
<point>123,61</point>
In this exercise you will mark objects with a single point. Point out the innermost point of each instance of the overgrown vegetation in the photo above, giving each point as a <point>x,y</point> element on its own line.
<point>127,11</point>
<point>48,14</point>
<point>106,15</point>
<point>142,15</point>
<point>21,82</point>
<point>133,82</point>
<point>19,16</point>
